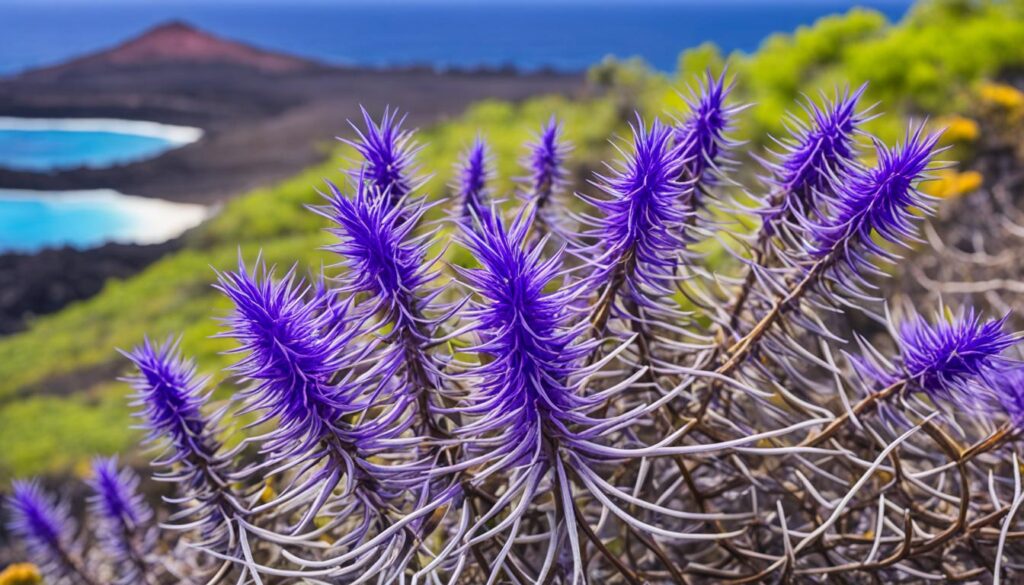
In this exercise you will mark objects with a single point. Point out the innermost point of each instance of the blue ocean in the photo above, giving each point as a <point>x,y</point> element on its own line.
<point>561,34</point>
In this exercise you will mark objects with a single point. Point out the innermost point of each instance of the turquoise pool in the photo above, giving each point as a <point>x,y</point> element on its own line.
<point>55,144</point>
<point>32,220</point>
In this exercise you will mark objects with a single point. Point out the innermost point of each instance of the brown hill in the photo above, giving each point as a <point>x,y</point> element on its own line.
<point>178,43</point>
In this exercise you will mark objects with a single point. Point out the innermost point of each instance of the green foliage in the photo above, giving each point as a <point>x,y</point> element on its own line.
<point>924,65</point>
<point>44,433</point>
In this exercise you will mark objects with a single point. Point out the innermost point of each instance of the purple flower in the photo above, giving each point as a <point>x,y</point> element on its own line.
<point>380,255</point>
<point>529,337</point>
<point>122,517</point>
<point>941,359</point>
<point>526,419</point>
<point>957,358</point>
<point>293,341</point>
<point>473,173</point>
<point>389,155</point>
<point>702,135</point>
<point>882,200</point>
<point>640,231</point>
<point>386,262</point>
<point>290,342</point>
<point>814,158</point>
<point>546,163</point>
<point>169,397</point>
<point>48,530</point>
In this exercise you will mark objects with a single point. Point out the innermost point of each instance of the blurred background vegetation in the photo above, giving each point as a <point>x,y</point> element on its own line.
<point>952,61</point>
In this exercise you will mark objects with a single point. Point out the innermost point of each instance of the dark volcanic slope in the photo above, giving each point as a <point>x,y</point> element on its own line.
<point>266,116</point>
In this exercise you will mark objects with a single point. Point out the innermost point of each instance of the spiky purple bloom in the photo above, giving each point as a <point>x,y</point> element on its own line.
<point>882,200</point>
<point>641,225</point>
<point>389,155</point>
<point>122,516</point>
<point>814,158</point>
<point>169,397</point>
<point>702,135</point>
<point>293,339</point>
<point>48,529</point>
<point>523,393</point>
<point>291,343</point>
<point>472,174</point>
<point>546,163</point>
<point>380,254</point>
<point>383,259</point>
<point>942,358</point>
<point>526,418</point>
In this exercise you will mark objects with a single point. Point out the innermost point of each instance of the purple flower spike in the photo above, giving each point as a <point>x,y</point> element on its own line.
<point>169,397</point>
<point>944,358</point>
<point>546,163</point>
<point>879,200</point>
<point>380,255</point>
<point>383,259</point>
<point>291,339</point>
<point>48,530</point>
<point>814,158</point>
<point>702,134</point>
<point>116,496</point>
<point>473,173</point>
<point>122,517</point>
<point>389,155</point>
<point>642,222</point>
<point>169,394</point>
<point>524,392</point>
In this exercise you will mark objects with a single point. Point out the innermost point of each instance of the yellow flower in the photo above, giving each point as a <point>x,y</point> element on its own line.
<point>959,130</point>
<point>949,184</point>
<point>21,574</point>
<point>1002,96</point>
<point>269,493</point>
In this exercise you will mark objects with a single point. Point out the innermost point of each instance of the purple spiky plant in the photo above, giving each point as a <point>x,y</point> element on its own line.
<point>123,521</point>
<point>48,530</point>
<point>703,133</point>
<point>473,174</point>
<point>545,163</point>
<point>639,226</point>
<point>660,390</point>
<point>384,260</point>
<point>951,358</point>
<point>882,200</point>
<point>296,349</point>
<point>817,156</point>
<point>388,155</point>
<point>170,398</point>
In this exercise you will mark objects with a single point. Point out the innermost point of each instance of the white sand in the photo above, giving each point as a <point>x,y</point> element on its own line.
<point>177,135</point>
<point>151,221</point>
